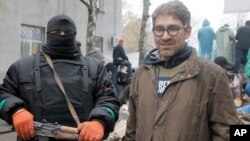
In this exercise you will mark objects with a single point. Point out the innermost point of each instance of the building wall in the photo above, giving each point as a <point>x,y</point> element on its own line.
<point>14,13</point>
<point>104,24</point>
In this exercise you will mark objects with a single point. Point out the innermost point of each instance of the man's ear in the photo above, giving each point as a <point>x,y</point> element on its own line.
<point>188,31</point>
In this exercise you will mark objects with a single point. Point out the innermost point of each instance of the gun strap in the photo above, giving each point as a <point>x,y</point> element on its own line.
<point>60,84</point>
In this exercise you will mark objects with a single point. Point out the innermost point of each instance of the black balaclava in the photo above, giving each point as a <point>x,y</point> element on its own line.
<point>61,46</point>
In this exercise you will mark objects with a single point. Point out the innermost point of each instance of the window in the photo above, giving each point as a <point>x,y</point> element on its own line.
<point>32,39</point>
<point>100,4</point>
<point>98,43</point>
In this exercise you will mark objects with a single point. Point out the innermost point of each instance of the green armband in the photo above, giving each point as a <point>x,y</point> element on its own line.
<point>110,111</point>
<point>2,103</point>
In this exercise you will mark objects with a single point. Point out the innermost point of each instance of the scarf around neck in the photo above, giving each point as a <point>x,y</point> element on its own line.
<point>153,58</point>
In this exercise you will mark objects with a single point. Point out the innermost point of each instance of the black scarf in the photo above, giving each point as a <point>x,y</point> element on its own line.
<point>61,46</point>
<point>178,58</point>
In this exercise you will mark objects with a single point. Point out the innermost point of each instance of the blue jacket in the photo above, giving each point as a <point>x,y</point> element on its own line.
<point>206,36</point>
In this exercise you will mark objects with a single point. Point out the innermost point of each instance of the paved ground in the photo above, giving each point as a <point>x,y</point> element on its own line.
<point>120,124</point>
<point>5,132</point>
<point>7,135</point>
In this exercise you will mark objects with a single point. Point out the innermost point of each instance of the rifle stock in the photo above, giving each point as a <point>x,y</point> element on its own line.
<point>67,133</point>
<point>63,135</point>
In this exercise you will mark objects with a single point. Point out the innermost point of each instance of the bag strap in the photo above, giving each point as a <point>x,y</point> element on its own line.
<point>60,84</point>
<point>85,73</point>
<point>37,72</point>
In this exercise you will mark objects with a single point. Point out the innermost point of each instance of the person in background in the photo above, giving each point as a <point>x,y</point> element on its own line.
<point>175,95</point>
<point>241,91</point>
<point>235,80</point>
<point>246,92</point>
<point>242,46</point>
<point>224,43</point>
<point>222,61</point>
<point>96,54</point>
<point>206,37</point>
<point>243,109</point>
<point>29,91</point>
<point>120,58</point>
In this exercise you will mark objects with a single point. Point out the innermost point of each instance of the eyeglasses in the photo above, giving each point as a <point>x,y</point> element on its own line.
<point>62,32</point>
<point>171,30</point>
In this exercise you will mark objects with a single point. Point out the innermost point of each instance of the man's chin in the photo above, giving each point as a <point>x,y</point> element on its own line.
<point>166,54</point>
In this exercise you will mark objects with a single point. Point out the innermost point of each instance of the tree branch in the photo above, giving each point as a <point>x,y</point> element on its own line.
<point>86,3</point>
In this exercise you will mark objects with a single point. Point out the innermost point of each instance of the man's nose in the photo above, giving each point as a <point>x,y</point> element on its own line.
<point>166,35</point>
<point>61,33</point>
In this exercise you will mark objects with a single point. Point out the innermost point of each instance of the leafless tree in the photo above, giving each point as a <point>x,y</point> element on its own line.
<point>131,32</point>
<point>143,33</point>
<point>241,18</point>
<point>92,15</point>
<point>3,11</point>
<point>1,3</point>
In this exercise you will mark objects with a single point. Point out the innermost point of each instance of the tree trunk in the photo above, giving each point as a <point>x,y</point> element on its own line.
<point>92,9</point>
<point>142,41</point>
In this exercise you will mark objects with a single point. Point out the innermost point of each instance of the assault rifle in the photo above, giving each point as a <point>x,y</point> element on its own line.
<point>56,131</point>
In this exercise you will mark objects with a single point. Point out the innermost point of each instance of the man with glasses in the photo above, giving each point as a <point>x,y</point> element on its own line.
<point>174,95</point>
<point>31,92</point>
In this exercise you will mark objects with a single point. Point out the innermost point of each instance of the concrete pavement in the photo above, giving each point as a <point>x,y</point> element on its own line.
<point>6,133</point>
<point>120,126</point>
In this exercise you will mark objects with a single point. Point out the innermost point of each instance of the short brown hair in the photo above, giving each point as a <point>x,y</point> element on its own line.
<point>174,8</point>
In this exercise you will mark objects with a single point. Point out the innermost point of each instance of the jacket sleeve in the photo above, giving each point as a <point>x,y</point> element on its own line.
<point>221,108</point>
<point>107,104</point>
<point>123,54</point>
<point>237,34</point>
<point>231,35</point>
<point>131,121</point>
<point>9,95</point>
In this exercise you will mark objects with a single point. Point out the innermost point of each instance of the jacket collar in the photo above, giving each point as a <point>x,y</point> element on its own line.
<point>191,67</point>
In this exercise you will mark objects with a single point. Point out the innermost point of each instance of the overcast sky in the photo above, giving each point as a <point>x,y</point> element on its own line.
<point>210,9</point>
<point>197,7</point>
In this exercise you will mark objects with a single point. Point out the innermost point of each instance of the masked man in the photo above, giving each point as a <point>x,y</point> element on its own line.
<point>30,92</point>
